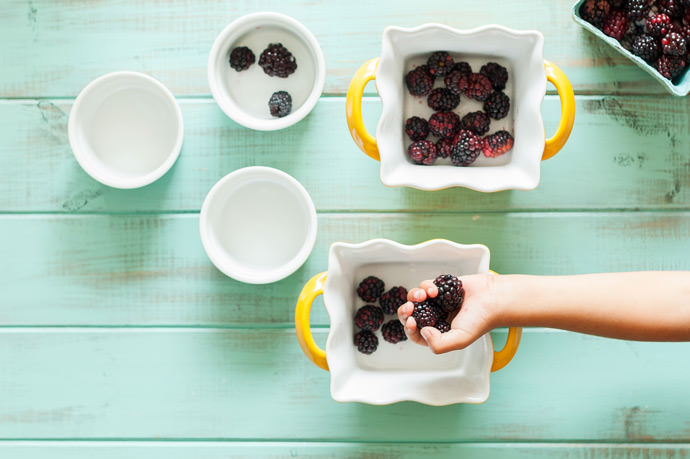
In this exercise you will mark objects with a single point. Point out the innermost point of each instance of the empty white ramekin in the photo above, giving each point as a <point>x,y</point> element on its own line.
<point>125,129</point>
<point>243,96</point>
<point>258,225</point>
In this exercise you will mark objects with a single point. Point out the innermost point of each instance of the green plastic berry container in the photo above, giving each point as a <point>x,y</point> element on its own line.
<point>681,88</point>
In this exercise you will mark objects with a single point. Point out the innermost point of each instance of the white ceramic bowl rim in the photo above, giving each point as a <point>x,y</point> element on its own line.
<point>234,270</point>
<point>85,159</point>
<point>226,38</point>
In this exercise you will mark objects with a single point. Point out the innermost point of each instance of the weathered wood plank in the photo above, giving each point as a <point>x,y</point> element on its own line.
<point>152,270</point>
<point>256,384</point>
<point>217,450</point>
<point>625,153</point>
<point>53,48</point>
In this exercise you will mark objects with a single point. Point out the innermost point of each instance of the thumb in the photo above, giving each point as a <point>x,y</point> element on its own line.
<point>440,343</point>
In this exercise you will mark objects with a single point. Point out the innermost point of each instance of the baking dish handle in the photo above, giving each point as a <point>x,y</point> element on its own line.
<point>505,355</point>
<point>353,108</point>
<point>311,290</point>
<point>565,125</point>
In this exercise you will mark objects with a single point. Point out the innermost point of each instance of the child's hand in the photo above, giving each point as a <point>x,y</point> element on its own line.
<point>476,317</point>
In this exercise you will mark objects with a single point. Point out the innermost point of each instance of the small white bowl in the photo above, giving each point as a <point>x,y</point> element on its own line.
<point>243,96</point>
<point>125,129</point>
<point>404,371</point>
<point>258,225</point>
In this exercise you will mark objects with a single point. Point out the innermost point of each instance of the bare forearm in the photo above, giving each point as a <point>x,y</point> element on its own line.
<point>646,306</point>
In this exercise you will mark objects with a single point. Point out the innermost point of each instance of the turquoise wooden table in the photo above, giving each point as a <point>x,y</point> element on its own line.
<point>118,338</point>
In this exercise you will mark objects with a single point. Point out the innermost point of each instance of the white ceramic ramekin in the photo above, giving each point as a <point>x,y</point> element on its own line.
<point>243,96</point>
<point>404,371</point>
<point>258,225</point>
<point>522,53</point>
<point>125,129</point>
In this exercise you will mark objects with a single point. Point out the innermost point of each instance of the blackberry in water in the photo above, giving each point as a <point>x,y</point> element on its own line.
<point>416,128</point>
<point>370,289</point>
<point>497,105</point>
<point>276,60</point>
<point>442,100</point>
<point>670,67</point>
<point>241,58</point>
<point>496,73</point>
<point>646,47</point>
<point>658,25</point>
<point>280,104</point>
<point>393,299</point>
<point>443,147</point>
<point>451,294</point>
<point>475,86</point>
<point>477,122</point>
<point>419,82</point>
<point>442,326</point>
<point>673,44</point>
<point>393,331</point>
<point>459,70</point>
<point>466,148</point>
<point>595,11</point>
<point>369,317</point>
<point>424,314</point>
<point>422,152</point>
<point>440,63</point>
<point>616,24</point>
<point>497,144</point>
<point>444,124</point>
<point>366,342</point>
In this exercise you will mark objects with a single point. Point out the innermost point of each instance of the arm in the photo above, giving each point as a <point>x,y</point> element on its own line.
<point>645,306</point>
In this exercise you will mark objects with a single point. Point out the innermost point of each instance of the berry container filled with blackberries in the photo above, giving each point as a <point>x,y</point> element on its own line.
<point>461,108</point>
<point>654,34</point>
<point>266,71</point>
<point>368,352</point>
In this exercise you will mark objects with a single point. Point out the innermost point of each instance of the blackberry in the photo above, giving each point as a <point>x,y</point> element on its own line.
<point>646,47</point>
<point>658,25</point>
<point>276,60</point>
<point>416,128</point>
<point>444,124</point>
<point>686,16</point>
<point>497,105</point>
<point>450,292</point>
<point>443,147</point>
<point>424,314</point>
<point>670,66</point>
<point>369,317</point>
<point>685,32</point>
<point>419,82</point>
<point>442,326</point>
<point>636,9</point>
<point>442,100</point>
<point>465,149</point>
<point>497,74</point>
<point>366,342</point>
<point>497,144</point>
<point>370,289</point>
<point>422,152</point>
<point>475,86</point>
<point>673,44</point>
<point>671,8</point>
<point>616,24</point>
<point>393,331</point>
<point>440,63</point>
<point>477,122</point>
<point>393,299</point>
<point>459,70</point>
<point>595,11</point>
<point>441,314</point>
<point>241,58</point>
<point>280,104</point>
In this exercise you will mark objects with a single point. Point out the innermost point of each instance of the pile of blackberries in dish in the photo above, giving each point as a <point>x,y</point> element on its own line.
<point>276,60</point>
<point>658,31</point>
<point>460,139</point>
<point>433,312</point>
